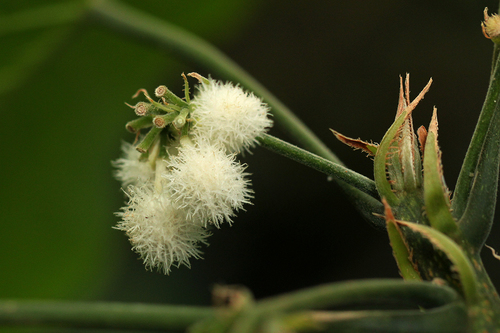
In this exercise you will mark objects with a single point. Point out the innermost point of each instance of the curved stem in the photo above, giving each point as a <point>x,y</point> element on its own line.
<point>320,164</point>
<point>101,315</point>
<point>382,292</point>
<point>126,19</point>
<point>363,292</point>
<point>361,191</point>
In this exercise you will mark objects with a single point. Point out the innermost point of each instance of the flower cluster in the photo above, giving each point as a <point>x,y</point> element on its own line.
<point>183,177</point>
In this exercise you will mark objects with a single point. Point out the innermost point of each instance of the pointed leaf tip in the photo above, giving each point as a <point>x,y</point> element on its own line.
<point>400,249</point>
<point>436,194</point>
<point>369,148</point>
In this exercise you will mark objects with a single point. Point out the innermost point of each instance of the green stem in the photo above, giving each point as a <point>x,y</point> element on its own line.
<point>101,315</point>
<point>148,140</point>
<point>142,122</point>
<point>395,293</point>
<point>164,120</point>
<point>358,189</point>
<point>128,20</point>
<point>320,164</point>
<point>363,292</point>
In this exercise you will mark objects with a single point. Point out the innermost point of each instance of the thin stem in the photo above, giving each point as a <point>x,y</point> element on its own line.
<point>359,190</point>
<point>101,315</point>
<point>363,292</point>
<point>320,164</point>
<point>128,20</point>
<point>396,293</point>
<point>148,140</point>
<point>142,122</point>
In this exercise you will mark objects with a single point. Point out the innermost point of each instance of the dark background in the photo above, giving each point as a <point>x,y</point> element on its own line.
<point>335,63</point>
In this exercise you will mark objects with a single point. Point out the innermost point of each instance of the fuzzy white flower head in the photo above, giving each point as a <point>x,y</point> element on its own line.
<point>226,113</point>
<point>158,231</point>
<point>207,183</point>
<point>130,170</point>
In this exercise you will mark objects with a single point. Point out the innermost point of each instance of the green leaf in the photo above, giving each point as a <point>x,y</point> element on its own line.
<point>476,151</point>
<point>437,202</point>
<point>477,218</point>
<point>380,162</point>
<point>450,318</point>
<point>459,263</point>
<point>400,248</point>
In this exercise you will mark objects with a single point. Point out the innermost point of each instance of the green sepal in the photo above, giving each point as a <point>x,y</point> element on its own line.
<point>437,267</point>
<point>380,162</point>
<point>399,247</point>
<point>436,198</point>
<point>388,171</point>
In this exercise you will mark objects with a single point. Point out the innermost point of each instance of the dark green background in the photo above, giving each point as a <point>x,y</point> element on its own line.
<point>335,63</point>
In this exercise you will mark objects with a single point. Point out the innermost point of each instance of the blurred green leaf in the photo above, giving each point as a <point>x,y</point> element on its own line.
<point>64,89</point>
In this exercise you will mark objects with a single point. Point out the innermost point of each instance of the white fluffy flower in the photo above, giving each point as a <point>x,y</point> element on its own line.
<point>227,114</point>
<point>158,231</point>
<point>207,183</point>
<point>130,170</point>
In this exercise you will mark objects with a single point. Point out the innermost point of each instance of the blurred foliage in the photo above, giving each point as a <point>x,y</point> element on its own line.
<point>335,63</point>
<point>65,89</point>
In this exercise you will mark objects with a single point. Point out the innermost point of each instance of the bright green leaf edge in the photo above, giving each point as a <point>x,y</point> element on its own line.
<point>436,200</point>
<point>462,265</point>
